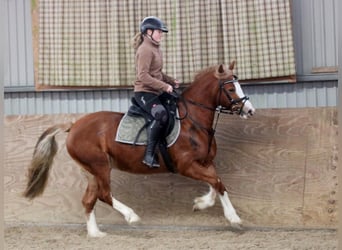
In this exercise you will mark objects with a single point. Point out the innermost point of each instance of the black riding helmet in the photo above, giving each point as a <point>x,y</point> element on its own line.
<point>152,23</point>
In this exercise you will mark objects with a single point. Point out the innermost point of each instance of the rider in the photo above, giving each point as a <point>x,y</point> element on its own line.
<point>151,81</point>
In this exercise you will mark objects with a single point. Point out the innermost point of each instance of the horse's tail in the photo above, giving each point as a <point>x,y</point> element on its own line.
<point>44,152</point>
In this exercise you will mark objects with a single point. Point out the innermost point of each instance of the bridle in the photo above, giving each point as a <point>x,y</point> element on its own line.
<point>234,103</point>
<point>233,107</point>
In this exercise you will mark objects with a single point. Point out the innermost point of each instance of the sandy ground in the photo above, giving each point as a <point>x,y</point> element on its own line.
<point>74,237</point>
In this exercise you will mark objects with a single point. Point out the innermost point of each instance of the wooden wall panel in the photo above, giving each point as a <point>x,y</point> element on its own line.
<point>279,167</point>
<point>281,170</point>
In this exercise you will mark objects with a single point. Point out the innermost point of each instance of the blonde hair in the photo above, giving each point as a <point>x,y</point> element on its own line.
<point>137,40</point>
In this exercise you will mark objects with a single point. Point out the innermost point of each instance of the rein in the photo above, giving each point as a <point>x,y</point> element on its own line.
<point>219,109</point>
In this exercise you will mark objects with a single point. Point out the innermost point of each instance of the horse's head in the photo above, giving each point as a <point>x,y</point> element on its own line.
<point>231,98</point>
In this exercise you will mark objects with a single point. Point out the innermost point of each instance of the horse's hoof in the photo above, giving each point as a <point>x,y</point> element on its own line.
<point>133,218</point>
<point>237,226</point>
<point>196,207</point>
<point>201,203</point>
<point>97,234</point>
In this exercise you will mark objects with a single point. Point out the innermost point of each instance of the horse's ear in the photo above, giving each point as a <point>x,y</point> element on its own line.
<point>232,64</point>
<point>221,69</point>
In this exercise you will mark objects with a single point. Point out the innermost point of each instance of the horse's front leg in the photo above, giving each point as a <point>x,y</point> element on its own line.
<point>208,174</point>
<point>205,201</point>
<point>229,210</point>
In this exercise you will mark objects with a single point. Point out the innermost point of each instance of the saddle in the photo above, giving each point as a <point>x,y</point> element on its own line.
<point>132,127</point>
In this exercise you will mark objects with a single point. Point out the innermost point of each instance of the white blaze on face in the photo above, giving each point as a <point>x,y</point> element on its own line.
<point>248,107</point>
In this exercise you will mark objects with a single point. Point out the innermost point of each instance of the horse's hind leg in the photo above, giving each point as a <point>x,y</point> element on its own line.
<point>127,212</point>
<point>105,195</point>
<point>99,188</point>
<point>88,201</point>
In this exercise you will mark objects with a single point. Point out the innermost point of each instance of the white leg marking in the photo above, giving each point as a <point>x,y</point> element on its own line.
<point>127,212</point>
<point>93,230</point>
<point>229,211</point>
<point>205,201</point>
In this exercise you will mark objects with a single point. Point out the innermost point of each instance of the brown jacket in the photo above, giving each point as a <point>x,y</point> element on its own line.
<point>149,65</point>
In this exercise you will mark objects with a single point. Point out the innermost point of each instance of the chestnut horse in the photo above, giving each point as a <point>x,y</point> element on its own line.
<point>91,144</point>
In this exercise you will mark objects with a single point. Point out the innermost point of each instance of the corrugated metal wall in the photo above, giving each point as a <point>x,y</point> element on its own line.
<point>18,44</point>
<point>315,31</point>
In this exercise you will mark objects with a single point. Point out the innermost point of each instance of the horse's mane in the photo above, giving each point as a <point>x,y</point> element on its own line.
<point>211,69</point>
<point>199,74</point>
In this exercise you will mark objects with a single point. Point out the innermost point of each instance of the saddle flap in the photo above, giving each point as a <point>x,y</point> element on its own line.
<point>135,110</point>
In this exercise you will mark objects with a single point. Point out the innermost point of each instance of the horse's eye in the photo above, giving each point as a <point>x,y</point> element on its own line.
<point>231,90</point>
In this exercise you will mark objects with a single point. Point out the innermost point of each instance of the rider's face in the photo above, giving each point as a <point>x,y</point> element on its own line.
<point>156,35</point>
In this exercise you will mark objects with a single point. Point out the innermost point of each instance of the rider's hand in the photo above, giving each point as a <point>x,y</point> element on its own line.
<point>169,89</point>
<point>176,84</point>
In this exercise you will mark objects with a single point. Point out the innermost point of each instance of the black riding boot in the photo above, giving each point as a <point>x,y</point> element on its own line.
<point>151,158</point>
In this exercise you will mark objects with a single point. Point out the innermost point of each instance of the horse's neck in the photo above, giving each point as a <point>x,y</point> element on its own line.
<point>203,91</point>
<point>202,103</point>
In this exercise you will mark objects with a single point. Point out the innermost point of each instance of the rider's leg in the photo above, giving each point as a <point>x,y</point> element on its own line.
<point>155,132</point>
<point>151,104</point>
